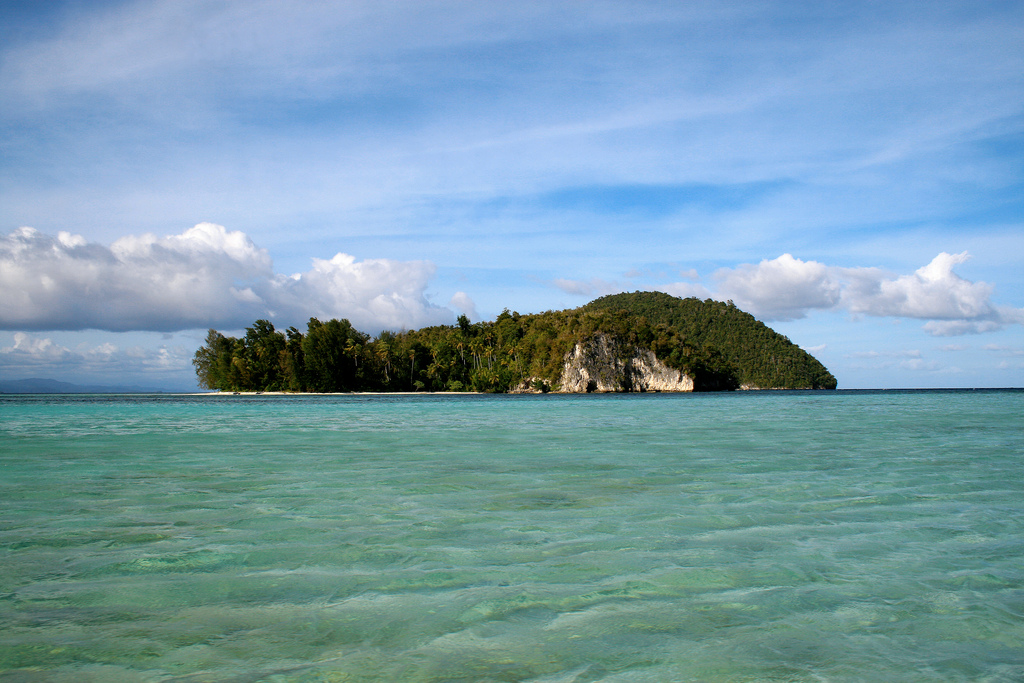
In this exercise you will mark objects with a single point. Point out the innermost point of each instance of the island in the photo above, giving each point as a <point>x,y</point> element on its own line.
<point>630,342</point>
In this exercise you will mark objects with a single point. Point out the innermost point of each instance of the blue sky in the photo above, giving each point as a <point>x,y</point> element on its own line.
<point>852,173</point>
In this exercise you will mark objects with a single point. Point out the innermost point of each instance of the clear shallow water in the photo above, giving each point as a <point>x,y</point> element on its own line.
<point>730,537</point>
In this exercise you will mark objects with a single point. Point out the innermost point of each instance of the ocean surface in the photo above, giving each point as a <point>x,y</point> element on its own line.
<point>752,536</point>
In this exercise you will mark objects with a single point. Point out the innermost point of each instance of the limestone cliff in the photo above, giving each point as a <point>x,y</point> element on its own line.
<point>602,364</point>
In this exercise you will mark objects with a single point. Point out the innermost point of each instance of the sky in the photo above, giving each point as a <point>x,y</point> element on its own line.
<point>851,173</point>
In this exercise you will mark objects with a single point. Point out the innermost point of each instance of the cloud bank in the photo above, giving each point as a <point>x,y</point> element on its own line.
<point>204,277</point>
<point>31,355</point>
<point>208,276</point>
<point>787,288</point>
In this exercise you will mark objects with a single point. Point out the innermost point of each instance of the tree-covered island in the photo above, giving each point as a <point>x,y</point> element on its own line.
<point>615,343</point>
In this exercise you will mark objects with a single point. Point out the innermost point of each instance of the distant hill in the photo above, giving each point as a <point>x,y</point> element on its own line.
<point>644,341</point>
<point>758,355</point>
<point>50,386</point>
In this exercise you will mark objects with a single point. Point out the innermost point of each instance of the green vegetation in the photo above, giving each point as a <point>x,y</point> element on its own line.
<point>738,343</point>
<point>717,344</point>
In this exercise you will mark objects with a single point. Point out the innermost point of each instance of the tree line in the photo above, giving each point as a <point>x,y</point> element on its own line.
<point>510,353</point>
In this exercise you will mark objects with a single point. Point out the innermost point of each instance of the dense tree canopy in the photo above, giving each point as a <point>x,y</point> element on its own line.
<point>718,345</point>
<point>757,355</point>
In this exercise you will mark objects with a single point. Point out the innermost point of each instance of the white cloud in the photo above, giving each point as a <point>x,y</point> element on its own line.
<point>31,351</point>
<point>31,355</point>
<point>956,328</point>
<point>787,288</point>
<point>932,292</point>
<point>138,283</point>
<point>465,305</point>
<point>952,305</point>
<point>206,276</point>
<point>373,294</point>
<point>784,288</point>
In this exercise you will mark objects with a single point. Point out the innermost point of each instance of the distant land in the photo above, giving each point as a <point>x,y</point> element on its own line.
<point>644,341</point>
<point>39,385</point>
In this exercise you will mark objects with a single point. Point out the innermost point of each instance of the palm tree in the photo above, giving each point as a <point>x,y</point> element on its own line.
<point>384,356</point>
<point>461,346</point>
<point>351,348</point>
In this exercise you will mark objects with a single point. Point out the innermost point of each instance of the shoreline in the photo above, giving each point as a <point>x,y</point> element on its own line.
<point>330,393</point>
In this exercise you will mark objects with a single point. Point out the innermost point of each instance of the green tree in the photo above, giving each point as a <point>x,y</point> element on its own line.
<point>263,346</point>
<point>331,355</point>
<point>293,363</point>
<point>212,361</point>
<point>715,343</point>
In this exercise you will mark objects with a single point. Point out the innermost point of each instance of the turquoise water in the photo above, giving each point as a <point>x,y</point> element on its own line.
<point>770,536</point>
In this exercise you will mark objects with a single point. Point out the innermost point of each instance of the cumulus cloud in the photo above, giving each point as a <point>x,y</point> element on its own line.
<point>31,351</point>
<point>373,294</point>
<point>932,292</point>
<point>142,282</point>
<point>951,304</point>
<point>465,305</point>
<point>956,328</point>
<point>30,354</point>
<point>787,288</point>
<point>206,276</point>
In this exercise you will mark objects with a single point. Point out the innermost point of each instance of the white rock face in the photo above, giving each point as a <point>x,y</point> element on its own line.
<point>601,364</point>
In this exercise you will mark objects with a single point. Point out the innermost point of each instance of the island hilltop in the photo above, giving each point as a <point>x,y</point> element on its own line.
<point>644,341</point>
